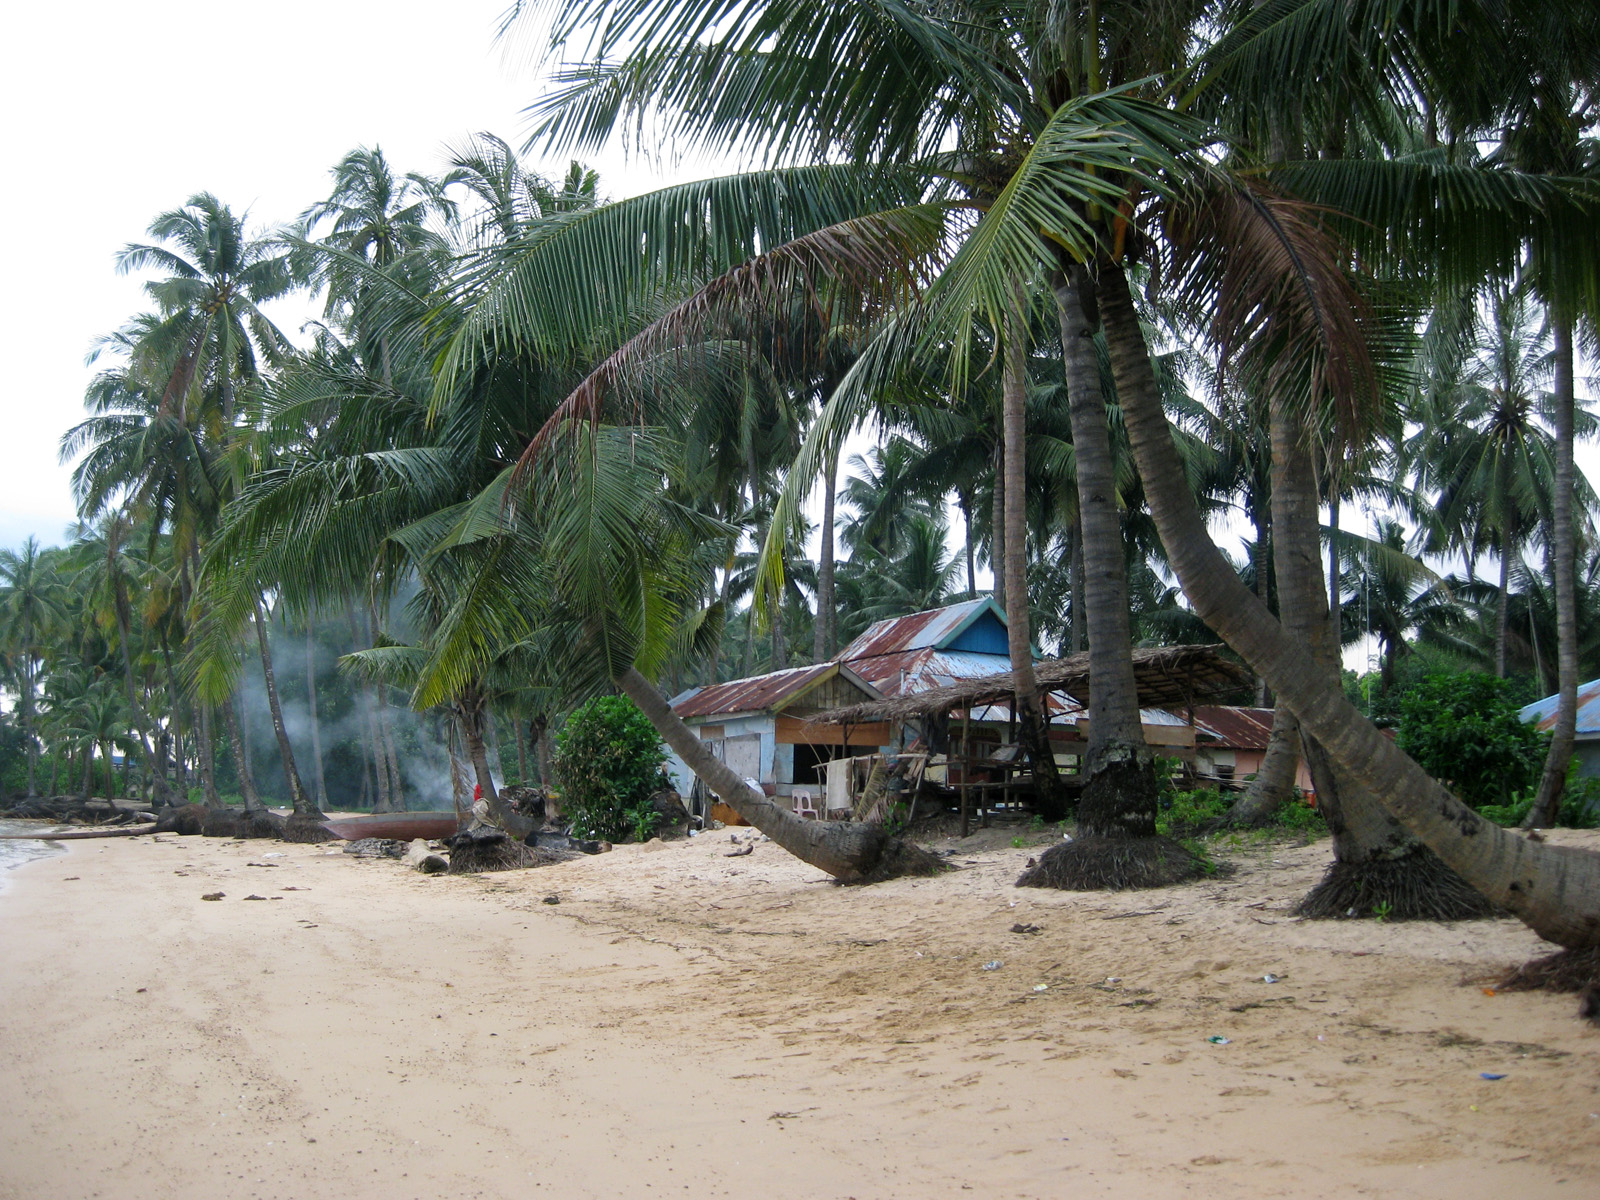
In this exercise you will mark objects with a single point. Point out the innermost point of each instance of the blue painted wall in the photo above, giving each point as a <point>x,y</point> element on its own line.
<point>986,635</point>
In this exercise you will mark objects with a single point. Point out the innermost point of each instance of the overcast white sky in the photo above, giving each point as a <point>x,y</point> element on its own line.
<point>117,111</point>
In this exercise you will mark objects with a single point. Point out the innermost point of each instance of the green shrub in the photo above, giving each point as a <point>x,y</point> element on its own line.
<point>1580,805</point>
<point>1184,814</point>
<point>609,761</point>
<point>1463,729</point>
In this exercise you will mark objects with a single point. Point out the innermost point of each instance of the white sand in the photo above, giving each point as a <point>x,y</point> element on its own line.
<point>688,1024</point>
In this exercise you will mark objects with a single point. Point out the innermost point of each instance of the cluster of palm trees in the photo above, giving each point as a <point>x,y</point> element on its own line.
<point>1095,273</point>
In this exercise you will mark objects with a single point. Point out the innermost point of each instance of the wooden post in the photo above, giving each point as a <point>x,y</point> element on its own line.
<point>966,770</point>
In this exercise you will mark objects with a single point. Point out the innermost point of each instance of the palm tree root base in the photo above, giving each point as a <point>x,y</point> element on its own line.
<point>1103,864</point>
<point>261,824</point>
<point>899,858</point>
<point>186,820</point>
<point>1415,887</point>
<point>1566,971</point>
<point>307,827</point>
<point>480,850</point>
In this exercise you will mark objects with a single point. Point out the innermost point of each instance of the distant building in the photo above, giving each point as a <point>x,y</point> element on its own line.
<point>1586,743</point>
<point>758,726</point>
<point>1231,742</point>
<point>925,650</point>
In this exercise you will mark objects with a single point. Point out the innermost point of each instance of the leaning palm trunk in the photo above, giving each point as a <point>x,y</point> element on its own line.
<point>297,791</point>
<point>1555,890</point>
<point>852,852</point>
<point>1553,782</point>
<point>1117,845</point>
<point>1378,866</point>
<point>1274,781</point>
<point>1033,720</point>
<point>305,824</point>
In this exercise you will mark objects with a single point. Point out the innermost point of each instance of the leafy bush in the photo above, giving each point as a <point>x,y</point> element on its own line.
<point>1580,805</point>
<point>609,761</point>
<point>1463,729</point>
<point>1183,814</point>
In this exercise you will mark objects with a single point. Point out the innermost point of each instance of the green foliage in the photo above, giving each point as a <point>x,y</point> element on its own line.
<point>13,759</point>
<point>609,760</point>
<point>1202,853</point>
<point>1580,805</point>
<point>1185,814</point>
<point>1463,729</point>
<point>1381,910</point>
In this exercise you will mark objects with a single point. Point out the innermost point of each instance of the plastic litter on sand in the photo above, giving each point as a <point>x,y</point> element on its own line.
<point>1489,1075</point>
<point>993,966</point>
<point>1217,1039</point>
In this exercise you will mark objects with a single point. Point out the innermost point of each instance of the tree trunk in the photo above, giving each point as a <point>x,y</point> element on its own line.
<point>964,498</point>
<point>318,779</point>
<point>1378,867</point>
<point>391,757</point>
<point>850,851</point>
<point>539,735</point>
<point>997,530</point>
<point>1075,582</point>
<point>207,765</point>
<point>1553,782</point>
<point>27,708</point>
<point>303,807</point>
<point>1274,781</point>
<point>824,637</point>
<point>472,711</point>
<point>174,699</point>
<point>1033,718</point>
<point>1502,620</point>
<point>1117,807</point>
<point>1555,890</point>
<point>141,718</point>
<point>372,750</point>
<point>1263,584</point>
<point>1335,591</point>
<point>241,761</point>
<point>522,753</point>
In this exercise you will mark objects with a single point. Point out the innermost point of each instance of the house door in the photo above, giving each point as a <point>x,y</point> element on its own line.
<point>743,755</point>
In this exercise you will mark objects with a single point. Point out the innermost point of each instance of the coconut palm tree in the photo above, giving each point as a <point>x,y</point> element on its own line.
<point>1004,85</point>
<point>212,333</point>
<point>30,601</point>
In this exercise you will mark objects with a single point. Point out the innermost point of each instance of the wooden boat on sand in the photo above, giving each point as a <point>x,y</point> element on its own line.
<point>401,826</point>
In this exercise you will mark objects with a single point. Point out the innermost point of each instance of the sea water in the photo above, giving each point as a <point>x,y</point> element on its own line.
<point>15,853</point>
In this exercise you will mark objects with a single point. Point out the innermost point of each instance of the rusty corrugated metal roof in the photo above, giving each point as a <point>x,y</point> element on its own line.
<point>1233,727</point>
<point>759,693</point>
<point>1544,711</point>
<point>919,631</point>
<point>910,671</point>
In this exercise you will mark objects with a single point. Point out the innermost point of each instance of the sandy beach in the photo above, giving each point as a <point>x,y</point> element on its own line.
<point>686,1023</point>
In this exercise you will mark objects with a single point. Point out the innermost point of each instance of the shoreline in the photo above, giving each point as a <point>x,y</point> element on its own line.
<point>700,1025</point>
<point>15,854</point>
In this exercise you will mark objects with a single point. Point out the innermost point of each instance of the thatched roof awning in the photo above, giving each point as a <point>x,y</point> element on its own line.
<point>1166,676</point>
